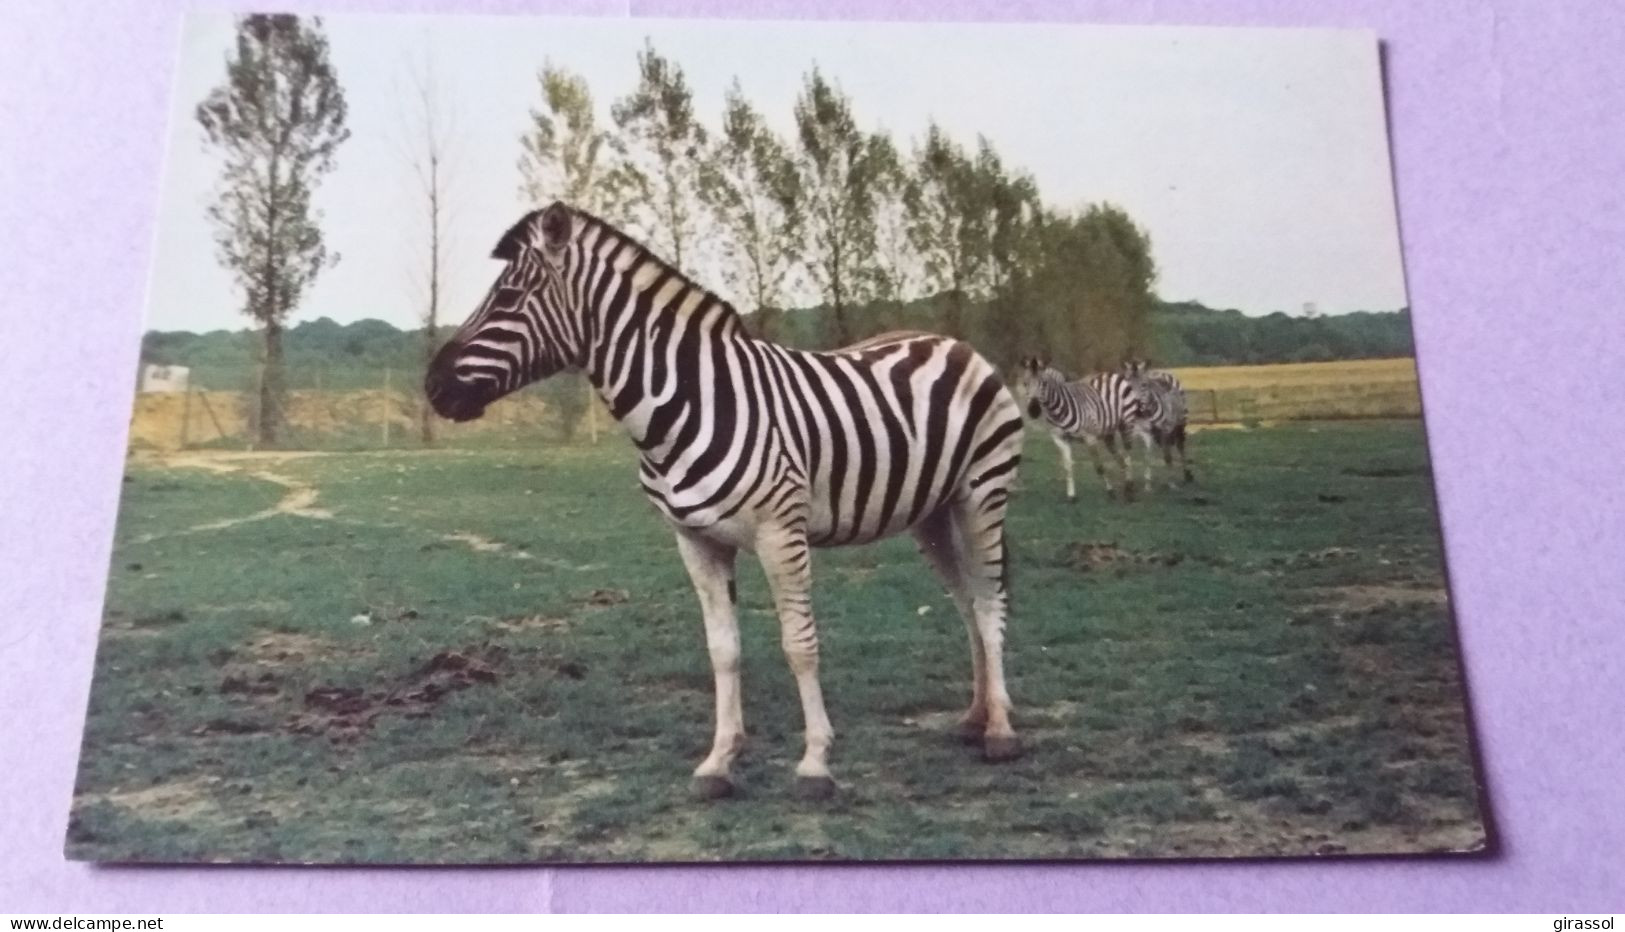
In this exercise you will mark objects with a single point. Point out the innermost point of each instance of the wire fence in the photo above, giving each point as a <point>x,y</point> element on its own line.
<point>356,408</point>
<point>347,409</point>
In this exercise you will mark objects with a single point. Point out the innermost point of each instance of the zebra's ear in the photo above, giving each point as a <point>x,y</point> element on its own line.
<point>557,227</point>
<point>515,239</point>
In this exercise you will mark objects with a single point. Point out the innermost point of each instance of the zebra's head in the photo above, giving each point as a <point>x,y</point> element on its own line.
<point>1135,369</point>
<point>526,329</point>
<point>1034,371</point>
<point>1135,372</point>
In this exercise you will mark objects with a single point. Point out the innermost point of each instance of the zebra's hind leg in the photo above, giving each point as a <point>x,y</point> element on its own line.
<point>1166,442</point>
<point>1124,455</point>
<point>940,547</point>
<point>979,529</point>
<point>786,559</point>
<point>1094,444</point>
<point>711,567</point>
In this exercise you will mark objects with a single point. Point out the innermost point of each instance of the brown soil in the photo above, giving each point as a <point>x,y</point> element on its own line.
<point>1085,556</point>
<point>345,713</point>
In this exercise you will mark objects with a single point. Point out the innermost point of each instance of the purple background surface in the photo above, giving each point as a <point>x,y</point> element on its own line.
<point>1509,139</point>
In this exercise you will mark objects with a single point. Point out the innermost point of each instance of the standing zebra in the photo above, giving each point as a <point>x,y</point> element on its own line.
<point>1098,410</point>
<point>745,444</point>
<point>1159,400</point>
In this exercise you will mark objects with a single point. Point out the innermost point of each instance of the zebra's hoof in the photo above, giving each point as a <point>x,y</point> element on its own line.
<point>1000,748</point>
<point>709,787</point>
<point>818,788</point>
<point>970,732</point>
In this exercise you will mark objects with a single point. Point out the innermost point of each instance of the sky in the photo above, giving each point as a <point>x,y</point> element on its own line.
<point>1257,159</point>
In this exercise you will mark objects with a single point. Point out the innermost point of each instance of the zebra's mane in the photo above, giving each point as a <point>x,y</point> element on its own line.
<point>517,236</point>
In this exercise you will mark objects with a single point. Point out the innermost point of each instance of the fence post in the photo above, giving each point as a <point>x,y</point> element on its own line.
<point>383,407</point>
<point>1213,399</point>
<point>203,396</point>
<point>186,412</point>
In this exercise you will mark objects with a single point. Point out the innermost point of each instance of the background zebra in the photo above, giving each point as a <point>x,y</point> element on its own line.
<point>1099,411</point>
<point>747,444</point>
<point>1160,403</point>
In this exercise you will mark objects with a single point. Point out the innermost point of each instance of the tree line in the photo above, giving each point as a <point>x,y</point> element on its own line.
<point>827,235</point>
<point>843,220</point>
<point>324,354</point>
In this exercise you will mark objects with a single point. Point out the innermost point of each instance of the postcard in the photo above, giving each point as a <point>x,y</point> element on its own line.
<point>619,440</point>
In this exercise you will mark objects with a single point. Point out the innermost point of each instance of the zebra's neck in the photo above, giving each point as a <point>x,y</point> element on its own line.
<point>1076,406</point>
<point>656,343</point>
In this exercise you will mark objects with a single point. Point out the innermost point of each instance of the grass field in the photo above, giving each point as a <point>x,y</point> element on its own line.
<point>495,656</point>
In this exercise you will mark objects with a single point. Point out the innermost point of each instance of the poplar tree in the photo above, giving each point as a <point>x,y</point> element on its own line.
<point>276,122</point>
<point>754,196</point>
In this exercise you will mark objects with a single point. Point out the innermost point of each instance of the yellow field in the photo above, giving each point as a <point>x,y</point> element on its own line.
<point>1345,389</point>
<point>173,420</point>
<point>1364,388</point>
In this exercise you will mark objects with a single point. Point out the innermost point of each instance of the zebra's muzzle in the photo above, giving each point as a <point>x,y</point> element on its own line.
<point>451,397</point>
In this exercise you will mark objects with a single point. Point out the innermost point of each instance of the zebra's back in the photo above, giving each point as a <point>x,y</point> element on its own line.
<point>898,426</point>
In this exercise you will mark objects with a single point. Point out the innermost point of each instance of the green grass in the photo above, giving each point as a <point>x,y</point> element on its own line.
<point>1264,665</point>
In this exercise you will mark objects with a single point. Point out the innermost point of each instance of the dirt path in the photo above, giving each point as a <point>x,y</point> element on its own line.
<point>298,500</point>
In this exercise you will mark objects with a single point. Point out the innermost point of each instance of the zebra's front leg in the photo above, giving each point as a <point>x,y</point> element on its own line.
<point>786,559</point>
<point>1148,443</point>
<point>711,567</point>
<point>1065,446</point>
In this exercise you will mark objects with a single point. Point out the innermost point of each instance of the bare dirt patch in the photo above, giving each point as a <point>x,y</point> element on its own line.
<point>482,544</point>
<point>1363,597</point>
<point>603,598</point>
<point>1092,556</point>
<point>285,647</point>
<point>345,713</point>
<point>179,800</point>
<point>522,623</point>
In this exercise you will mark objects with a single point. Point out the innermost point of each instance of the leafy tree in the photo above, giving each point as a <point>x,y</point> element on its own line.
<point>947,222</point>
<point>1008,204</point>
<point>840,169</point>
<point>661,154</point>
<point>563,156</point>
<point>562,153</point>
<point>276,121</point>
<point>1089,281</point>
<point>898,272</point>
<point>1008,215</point>
<point>754,195</point>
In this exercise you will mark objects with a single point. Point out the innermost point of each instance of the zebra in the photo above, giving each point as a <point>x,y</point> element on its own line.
<point>1099,410</point>
<point>746,444</point>
<point>1160,403</point>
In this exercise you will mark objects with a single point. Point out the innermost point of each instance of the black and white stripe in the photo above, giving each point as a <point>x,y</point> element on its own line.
<point>1100,411</point>
<point>745,444</point>
<point>1160,404</point>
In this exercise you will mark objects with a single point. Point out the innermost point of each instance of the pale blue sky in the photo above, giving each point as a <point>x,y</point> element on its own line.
<point>1257,159</point>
